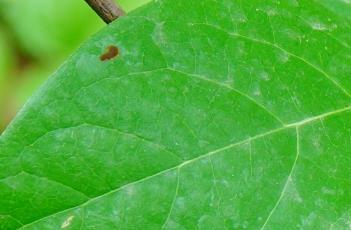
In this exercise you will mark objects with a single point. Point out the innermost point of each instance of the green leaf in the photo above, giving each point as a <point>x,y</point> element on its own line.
<point>214,115</point>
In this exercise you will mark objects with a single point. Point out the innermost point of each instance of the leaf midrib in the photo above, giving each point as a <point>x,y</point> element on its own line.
<point>291,125</point>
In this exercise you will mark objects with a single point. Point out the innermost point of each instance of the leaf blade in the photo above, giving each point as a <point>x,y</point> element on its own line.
<point>191,102</point>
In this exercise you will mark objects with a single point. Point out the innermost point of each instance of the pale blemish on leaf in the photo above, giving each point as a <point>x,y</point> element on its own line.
<point>283,57</point>
<point>67,222</point>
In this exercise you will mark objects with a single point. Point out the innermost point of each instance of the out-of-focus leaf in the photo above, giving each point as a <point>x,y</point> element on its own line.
<point>129,5</point>
<point>50,29</point>
<point>6,57</point>
<point>6,64</point>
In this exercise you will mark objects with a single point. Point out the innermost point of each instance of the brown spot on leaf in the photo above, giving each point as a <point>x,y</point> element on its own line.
<point>110,53</point>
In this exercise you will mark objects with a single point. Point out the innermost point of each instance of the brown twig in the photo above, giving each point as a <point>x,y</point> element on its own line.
<point>108,10</point>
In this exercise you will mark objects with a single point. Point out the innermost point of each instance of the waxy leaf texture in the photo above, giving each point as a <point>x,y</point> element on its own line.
<point>211,114</point>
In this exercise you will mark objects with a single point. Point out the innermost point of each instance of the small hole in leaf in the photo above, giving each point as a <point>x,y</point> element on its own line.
<point>110,53</point>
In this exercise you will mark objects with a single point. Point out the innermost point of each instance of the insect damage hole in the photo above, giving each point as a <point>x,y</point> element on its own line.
<point>110,53</point>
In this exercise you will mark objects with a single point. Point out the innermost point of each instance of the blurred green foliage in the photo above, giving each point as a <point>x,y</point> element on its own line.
<point>47,29</point>
<point>6,56</point>
<point>35,38</point>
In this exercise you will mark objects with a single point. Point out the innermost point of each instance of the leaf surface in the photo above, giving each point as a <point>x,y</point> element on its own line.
<point>213,115</point>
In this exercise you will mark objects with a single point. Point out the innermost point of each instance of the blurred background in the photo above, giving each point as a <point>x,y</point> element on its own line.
<point>36,36</point>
